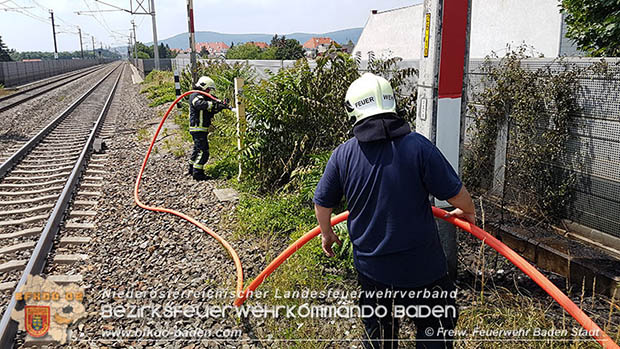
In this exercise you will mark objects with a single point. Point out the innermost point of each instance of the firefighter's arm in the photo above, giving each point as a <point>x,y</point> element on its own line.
<point>328,237</point>
<point>464,206</point>
<point>200,102</point>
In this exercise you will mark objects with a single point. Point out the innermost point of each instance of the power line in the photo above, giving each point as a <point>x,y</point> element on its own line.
<point>20,10</point>
<point>23,10</point>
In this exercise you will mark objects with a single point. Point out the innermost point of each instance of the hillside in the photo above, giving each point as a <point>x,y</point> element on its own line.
<point>180,41</point>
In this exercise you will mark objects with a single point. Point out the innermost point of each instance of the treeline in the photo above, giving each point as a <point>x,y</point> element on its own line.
<point>146,52</point>
<point>7,55</point>
<point>280,48</point>
<point>18,56</point>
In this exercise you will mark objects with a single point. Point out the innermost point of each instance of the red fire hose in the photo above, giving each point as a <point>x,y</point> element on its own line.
<point>585,321</point>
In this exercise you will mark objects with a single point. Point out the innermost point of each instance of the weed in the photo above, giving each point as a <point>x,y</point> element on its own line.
<point>143,135</point>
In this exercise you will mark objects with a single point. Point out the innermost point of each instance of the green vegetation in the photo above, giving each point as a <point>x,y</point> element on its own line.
<point>287,48</point>
<point>146,52</point>
<point>88,54</point>
<point>594,25</point>
<point>295,120</point>
<point>538,105</point>
<point>280,48</point>
<point>250,51</point>
<point>159,87</point>
<point>3,91</point>
<point>4,52</point>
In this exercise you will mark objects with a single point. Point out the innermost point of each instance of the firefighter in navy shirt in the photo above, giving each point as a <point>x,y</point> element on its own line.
<point>201,111</point>
<point>386,174</point>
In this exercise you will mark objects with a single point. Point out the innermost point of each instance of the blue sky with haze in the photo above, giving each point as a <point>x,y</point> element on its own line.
<point>30,30</point>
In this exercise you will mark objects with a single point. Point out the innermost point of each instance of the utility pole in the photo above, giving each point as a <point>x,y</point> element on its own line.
<point>192,38</point>
<point>140,9</point>
<point>155,47</point>
<point>100,49</point>
<point>54,32</point>
<point>442,92</point>
<point>81,47</point>
<point>135,44</point>
<point>129,48</point>
<point>94,54</point>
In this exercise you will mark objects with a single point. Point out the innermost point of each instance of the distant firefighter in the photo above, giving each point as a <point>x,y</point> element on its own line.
<point>201,112</point>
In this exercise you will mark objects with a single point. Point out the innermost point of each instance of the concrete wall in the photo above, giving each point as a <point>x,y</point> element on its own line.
<point>19,73</point>
<point>495,24</point>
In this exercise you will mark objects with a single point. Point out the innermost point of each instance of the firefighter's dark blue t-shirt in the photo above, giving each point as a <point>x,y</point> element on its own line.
<point>387,185</point>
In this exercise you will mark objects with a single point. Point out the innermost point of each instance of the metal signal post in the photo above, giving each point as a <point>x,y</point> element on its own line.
<point>192,38</point>
<point>441,91</point>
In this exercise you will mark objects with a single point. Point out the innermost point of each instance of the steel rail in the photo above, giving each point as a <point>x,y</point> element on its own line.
<point>36,263</point>
<point>69,78</point>
<point>26,148</point>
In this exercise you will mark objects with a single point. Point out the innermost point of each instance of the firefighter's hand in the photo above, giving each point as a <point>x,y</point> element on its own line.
<point>328,238</point>
<point>468,216</point>
<point>221,106</point>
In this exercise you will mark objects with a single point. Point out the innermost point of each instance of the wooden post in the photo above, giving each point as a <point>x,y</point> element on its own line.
<point>240,109</point>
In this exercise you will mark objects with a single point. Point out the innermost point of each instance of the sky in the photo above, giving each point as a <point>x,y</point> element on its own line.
<point>25,24</point>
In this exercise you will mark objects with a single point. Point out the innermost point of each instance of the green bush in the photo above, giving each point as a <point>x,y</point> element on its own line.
<point>298,113</point>
<point>294,114</point>
<point>222,73</point>
<point>159,87</point>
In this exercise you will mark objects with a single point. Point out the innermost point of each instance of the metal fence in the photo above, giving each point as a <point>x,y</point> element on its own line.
<point>592,152</point>
<point>19,73</point>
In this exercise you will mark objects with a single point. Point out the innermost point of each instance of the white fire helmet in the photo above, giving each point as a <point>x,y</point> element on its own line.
<point>205,83</point>
<point>368,96</point>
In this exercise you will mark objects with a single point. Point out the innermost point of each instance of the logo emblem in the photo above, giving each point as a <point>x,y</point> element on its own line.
<point>37,320</point>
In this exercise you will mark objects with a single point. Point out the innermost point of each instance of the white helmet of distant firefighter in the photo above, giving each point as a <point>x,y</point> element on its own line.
<point>205,83</point>
<point>368,96</point>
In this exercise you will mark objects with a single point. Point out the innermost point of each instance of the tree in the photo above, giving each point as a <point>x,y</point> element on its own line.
<point>204,53</point>
<point>147,51</point>
<point>269,53</point>
<point>287,48</point>
<point>594,25</point>
<point>4,52</point>
<point>245,51</point>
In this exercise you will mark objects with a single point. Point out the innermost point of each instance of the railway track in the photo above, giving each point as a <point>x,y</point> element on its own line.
<point>29,92</point>
<point>54,171</point>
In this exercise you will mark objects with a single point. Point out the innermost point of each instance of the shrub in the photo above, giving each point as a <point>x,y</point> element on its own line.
<point>296,113</point>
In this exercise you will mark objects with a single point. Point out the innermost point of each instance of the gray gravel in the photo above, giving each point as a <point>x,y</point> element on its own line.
<point>135,249</point>
<point>18,124</point>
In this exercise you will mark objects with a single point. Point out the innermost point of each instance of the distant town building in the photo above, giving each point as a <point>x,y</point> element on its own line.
<point>348,47</point>
<point>262,45</point>
<point>316,46</point>
<point>213,48</point>
<point>494,25</point>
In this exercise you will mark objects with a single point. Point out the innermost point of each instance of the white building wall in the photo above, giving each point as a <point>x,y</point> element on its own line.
<point>392,33</point>
<point>495,24</point>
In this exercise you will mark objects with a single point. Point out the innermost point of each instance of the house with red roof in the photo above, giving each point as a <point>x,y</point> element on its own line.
<point>262,45</point>
<point>315,46</point>
<point>213,48</point>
